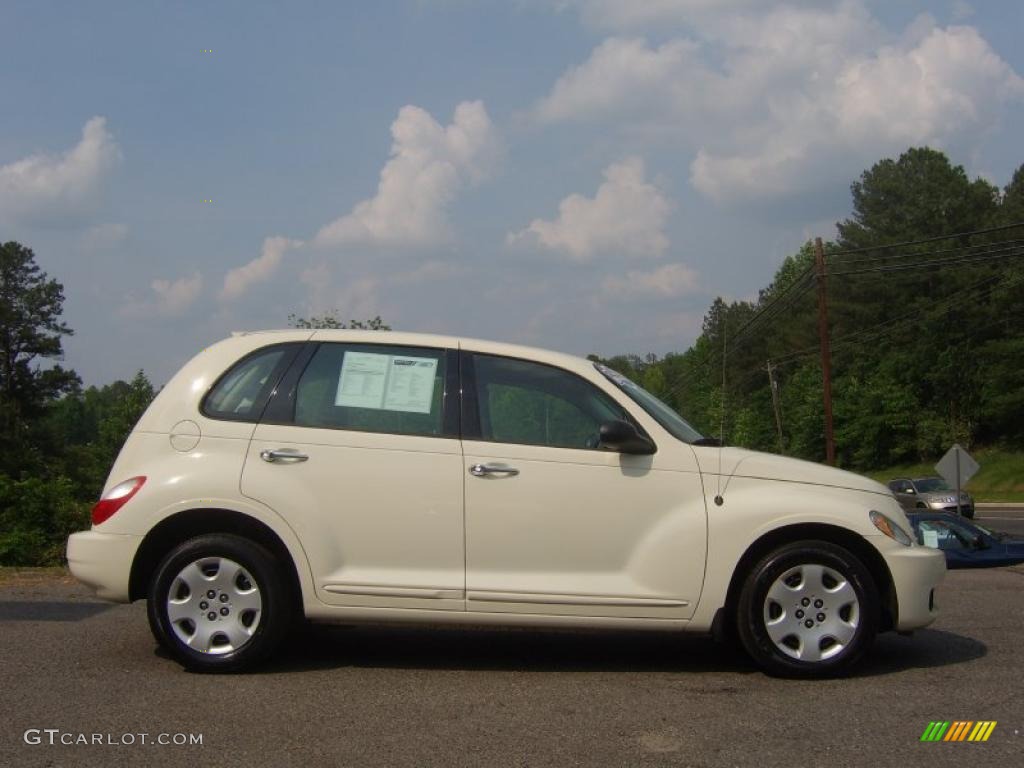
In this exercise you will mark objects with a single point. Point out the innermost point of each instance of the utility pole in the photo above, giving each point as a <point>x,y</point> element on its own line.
<point>826,353</point>
<point>773,384</point>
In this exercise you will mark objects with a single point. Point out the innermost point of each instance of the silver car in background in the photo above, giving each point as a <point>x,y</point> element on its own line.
<point>931,493</point>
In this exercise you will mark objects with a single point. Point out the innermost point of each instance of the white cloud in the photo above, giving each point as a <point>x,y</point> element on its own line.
<point>174,297</point>
<point>944,90</point>
<point>429,164</point>
<point>627,215</point>
<point>55,189</point>
<point>351,298</point>
<point>169,298</point>
<point>780,98</point>
<point>103,236</point>
<point>238,281</point>
<point>950,82</point>
<point>668,282</point>
<point>621,74</point>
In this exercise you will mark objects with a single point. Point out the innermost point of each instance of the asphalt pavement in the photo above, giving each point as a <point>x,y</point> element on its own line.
<point>1008,519</point>
<point>75,669</point>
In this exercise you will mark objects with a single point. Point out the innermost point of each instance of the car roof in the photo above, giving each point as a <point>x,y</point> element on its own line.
<point>426,340</point>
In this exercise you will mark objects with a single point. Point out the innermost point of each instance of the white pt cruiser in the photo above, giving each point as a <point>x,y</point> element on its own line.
<point>355,476</point>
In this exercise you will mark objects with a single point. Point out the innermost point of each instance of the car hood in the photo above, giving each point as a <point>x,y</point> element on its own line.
<point>740,462</point>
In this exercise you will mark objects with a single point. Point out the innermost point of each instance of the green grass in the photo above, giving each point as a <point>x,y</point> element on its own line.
<point>1001,477</point>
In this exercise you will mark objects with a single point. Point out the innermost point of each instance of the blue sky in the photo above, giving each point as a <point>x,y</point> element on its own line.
<point>585,175</point>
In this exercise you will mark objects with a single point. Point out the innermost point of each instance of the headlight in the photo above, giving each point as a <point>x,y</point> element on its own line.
<point>889,528</point>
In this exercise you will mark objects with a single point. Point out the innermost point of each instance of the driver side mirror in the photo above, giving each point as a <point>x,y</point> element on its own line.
<point>623,437</point>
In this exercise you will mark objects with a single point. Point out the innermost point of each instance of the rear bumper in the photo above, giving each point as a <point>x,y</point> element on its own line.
<point>103,561</point>
<point>916,572</point>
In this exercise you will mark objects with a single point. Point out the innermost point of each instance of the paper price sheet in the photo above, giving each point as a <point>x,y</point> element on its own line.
<point>386,382</point>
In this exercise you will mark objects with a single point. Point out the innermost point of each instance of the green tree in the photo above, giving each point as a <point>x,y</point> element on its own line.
<point>331,320</point>
<point>1011,209</point>
<point>31,330</point>
<point>917,196</point>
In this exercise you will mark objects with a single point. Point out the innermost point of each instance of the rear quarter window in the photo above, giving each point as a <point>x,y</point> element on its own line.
<point>242,392</point>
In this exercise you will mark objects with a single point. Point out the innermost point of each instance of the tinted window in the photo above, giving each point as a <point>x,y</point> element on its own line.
<point>373,388</point>
<point>931,485</point>
<point>534,404</point>
<point>241,393</point>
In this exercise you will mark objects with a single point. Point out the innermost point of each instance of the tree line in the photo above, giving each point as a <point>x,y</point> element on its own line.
<point>926,326</point>
<point>924,315</point>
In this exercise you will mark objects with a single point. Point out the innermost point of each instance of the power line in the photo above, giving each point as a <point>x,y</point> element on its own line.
<point>893,257</point>
<point>938,238</point>
<point>1006,253</point>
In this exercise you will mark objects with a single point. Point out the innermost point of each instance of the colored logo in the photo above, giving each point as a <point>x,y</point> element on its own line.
<point>959,730</point>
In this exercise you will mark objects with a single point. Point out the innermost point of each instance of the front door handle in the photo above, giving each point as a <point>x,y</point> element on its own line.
<point>483,470</point>
<point>273,455</point>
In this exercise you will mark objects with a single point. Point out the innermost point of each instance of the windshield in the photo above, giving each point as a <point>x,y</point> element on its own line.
<point>675,424</point>
<point>931,485</point>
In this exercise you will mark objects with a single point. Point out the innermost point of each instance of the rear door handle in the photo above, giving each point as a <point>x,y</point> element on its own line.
<point>274,455</point>
<point>483,470</point>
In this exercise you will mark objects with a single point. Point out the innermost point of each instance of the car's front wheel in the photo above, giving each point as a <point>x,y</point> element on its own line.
<point>808,609</point>
<point>219,603</point>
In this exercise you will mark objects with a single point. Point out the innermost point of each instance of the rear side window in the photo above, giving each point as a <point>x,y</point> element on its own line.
<point>242,392</point>
<point>371,388</point>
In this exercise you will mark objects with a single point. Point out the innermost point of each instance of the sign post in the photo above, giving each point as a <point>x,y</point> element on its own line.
<point>956,468</point>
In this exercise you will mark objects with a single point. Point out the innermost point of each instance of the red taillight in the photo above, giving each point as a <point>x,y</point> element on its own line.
<point>118,496</point>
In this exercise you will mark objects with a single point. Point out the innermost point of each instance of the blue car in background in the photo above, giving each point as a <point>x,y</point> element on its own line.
<point>965,544</point>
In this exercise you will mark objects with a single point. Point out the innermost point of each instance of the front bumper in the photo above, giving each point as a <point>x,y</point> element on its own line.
<point>103,561</point>
<point>916,572</point>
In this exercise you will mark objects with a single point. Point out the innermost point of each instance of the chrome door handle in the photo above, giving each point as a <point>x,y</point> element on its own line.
<point>482,470</point>
<point>273,455</point>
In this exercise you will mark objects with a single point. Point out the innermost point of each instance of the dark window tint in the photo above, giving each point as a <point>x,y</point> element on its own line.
<point>243,391</point>
<point>535,404</point>
<point>373,389</point>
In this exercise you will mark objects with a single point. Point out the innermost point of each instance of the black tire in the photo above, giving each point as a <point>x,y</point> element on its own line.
<point>244,621</point>
<point>814,571</point>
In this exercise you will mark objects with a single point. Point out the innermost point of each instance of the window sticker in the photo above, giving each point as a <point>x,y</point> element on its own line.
<point>931,538</point>
<point>386,382</point>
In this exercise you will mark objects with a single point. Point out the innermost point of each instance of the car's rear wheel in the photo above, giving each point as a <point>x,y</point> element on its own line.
<point>808,609</point>
<point>218,602</point>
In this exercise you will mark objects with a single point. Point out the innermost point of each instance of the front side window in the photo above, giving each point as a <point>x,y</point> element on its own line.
<point>371,388</point>
<point>534,404</point>
<point>241,393</point>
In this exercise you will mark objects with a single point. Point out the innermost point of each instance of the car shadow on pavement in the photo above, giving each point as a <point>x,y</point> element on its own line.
<point>445,648</point>
<point>50,610</point>
<point>326,647</point>
<point>925,649</point>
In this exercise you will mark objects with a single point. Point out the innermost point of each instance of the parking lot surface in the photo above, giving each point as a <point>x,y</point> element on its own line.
<point>75,668</point>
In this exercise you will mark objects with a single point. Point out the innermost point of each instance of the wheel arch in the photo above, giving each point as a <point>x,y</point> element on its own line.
<point>843,537</point>
<point>187,524</point>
